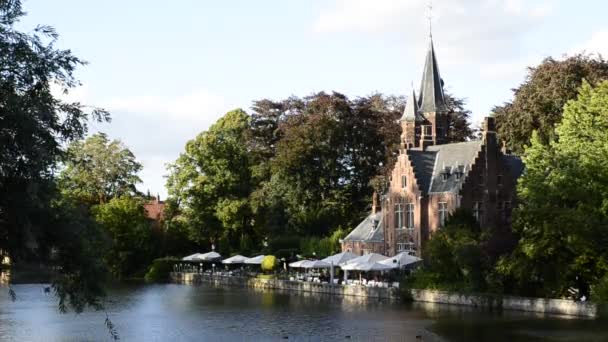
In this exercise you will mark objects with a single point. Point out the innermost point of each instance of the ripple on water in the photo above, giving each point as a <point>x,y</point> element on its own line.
<point>195,313</point>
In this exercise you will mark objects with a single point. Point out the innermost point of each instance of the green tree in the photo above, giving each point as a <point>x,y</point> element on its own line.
<point>459,126</point>
<point>125,222</point>
<point>34,125</point>
<point>211,181</point>
<point>562,219</point>
<point>98,170</point>
<point>455,257</point>
<point>539,101</point>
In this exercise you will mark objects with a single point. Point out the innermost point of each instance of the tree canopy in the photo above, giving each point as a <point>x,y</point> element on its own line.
<point>539,101</point>
<point>34,127</point>
<point>98,170</point>
<point>210,181</point>
<point>563,218</point>
<point>295,167</point>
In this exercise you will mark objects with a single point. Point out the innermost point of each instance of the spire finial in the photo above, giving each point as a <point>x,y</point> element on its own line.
<point>430,18</point>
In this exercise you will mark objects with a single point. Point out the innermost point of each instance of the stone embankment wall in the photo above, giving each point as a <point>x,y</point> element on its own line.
<point>496,302</point>
<point>278,284</point>
<point>491,302</point>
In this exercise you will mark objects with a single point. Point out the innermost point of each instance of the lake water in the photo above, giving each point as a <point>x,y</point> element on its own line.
<point>203,313</point>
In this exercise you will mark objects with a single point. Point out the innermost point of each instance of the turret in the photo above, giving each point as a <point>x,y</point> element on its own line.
<point>432,102</point>
<point>410,123</point>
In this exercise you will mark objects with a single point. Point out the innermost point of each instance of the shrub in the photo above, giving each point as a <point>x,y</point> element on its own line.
<point>160,269</point>
<point>599,290</point>
<point>269,263</point>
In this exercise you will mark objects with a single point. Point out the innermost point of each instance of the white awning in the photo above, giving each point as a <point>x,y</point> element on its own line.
<point>402,259</point>
<point>210,256</point>
<point>339,258</point>
<point>237,259</point>
<point>256,260</point>
<point>367,266</point>
<point>315,264</point>
<point>193,257</point>
<point>371,257</point>
<point>298,264</point>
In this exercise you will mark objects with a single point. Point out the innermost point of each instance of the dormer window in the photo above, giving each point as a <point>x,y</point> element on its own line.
<point>445,174</point>
<point>374,224</point>
<point>458,174</point>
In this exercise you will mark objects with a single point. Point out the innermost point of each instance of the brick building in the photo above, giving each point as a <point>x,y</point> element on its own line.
<point>155,209</point>
<point>431,178</point>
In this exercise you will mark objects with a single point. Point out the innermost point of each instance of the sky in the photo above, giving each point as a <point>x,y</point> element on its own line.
<point>166,70</point>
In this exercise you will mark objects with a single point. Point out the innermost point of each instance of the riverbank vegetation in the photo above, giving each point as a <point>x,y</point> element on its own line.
<point>291,177</point>
<point>560,227</point>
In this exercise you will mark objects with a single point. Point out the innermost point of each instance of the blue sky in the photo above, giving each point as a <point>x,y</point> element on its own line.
<point>168,69</point>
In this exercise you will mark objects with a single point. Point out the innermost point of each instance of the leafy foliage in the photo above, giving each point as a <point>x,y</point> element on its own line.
<point>210,181</point>
<point>34,125</point>
<point>562,219</point>
<point>459,128</point>
<point>455,257</point>
<point>124,220</point>
<point>98,169</point>
<point>538,102</point>
<point>160,268</point>
<point>269,263</point>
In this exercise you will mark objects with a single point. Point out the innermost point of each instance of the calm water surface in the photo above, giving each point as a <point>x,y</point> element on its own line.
<point>202,313</point>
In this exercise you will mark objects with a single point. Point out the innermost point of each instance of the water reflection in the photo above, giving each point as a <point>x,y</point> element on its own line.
<point>193,313</point>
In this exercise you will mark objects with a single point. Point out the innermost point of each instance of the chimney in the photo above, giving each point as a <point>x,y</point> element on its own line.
<point>374,202</point>
<point>489,129</point>
<point>505,149</point>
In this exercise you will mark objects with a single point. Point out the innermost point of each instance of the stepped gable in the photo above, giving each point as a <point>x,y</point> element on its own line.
<point>365,230</point>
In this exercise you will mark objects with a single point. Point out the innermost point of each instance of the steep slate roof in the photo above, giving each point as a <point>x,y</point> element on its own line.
<point>430,164</point>
<point>423,163</point>
<point>365,232</point>
<point>411,112</point>
<point>431,87</point>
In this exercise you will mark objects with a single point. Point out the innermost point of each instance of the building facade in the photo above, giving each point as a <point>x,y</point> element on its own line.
<point>432,178</point>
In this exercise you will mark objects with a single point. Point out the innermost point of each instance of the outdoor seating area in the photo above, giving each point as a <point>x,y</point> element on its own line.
<point>342,269</point>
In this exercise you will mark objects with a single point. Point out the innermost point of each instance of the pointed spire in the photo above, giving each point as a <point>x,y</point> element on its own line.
<point>411,109</point>
<point>431,87</point>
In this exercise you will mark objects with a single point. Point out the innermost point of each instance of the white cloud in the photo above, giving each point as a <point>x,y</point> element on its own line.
<point>77,94</point>
<point>363,15</point>
<point>598,43</point>
<point>515,68</point>
<point>466,30</point>
<point>199,105</point>
<point>156,128</point>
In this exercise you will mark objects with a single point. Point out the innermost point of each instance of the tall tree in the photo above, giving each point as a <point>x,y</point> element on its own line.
<point>124,220</point>
<point>539,101</point>
<point>562,220</point>
<point>459,126</point>
<point>34,125</point>
<point>330,149</point>
<point>211,180</point>
<point>98,170</point>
